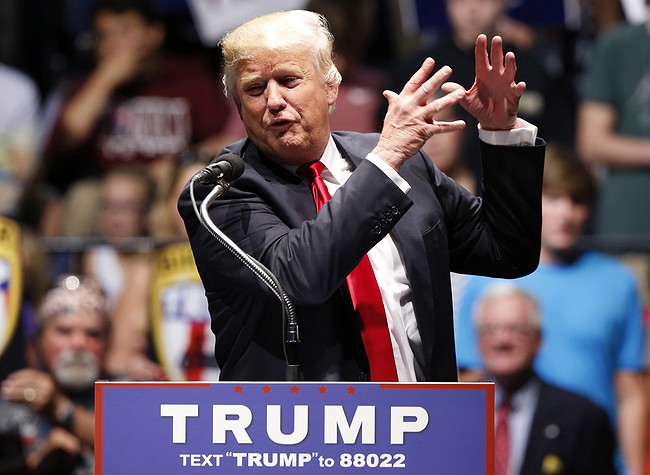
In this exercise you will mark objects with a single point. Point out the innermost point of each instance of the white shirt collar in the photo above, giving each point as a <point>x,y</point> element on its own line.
<point>337,169</point>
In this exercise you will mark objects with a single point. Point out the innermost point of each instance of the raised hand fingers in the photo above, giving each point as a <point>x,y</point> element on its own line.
<point>494,97</point>
<point>432,84</point>
<point>481,58</point>
<point>419,77</point>
<point>494,60</point>
<point>434,107</point>
<point>510,68</point>
<point>422,84</point>
<point>496,53</point>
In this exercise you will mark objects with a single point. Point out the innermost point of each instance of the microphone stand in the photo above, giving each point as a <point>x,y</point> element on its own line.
<point>289,319</point>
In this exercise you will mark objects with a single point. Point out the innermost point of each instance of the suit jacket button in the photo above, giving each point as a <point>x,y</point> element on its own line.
<point>394,210</point>
<point>376,229</point>
<point>363,377</point>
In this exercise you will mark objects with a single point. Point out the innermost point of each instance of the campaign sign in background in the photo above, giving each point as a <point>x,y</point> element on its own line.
<point>300,428</point>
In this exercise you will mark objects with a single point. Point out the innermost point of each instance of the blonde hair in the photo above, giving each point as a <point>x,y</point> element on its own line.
<point>280,31</point>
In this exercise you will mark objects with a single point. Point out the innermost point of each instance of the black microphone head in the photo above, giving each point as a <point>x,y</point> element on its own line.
<point>226,167</point>
<point>236,162</point>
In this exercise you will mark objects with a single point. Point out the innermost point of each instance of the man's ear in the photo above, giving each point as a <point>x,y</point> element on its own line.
<point>332,94</point>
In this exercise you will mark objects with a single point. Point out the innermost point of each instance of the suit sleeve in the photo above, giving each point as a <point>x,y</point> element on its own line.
<point>499,234</point>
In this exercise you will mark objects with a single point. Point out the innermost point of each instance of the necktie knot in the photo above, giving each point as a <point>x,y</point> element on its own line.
<point>505,407</point>
<point>310,170</point>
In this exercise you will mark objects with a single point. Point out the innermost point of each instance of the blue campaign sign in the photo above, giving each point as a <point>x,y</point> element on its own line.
<point>301,428</point>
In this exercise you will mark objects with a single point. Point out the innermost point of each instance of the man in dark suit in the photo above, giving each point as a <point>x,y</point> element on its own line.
<point>389,202</point>
<point>540,428</point>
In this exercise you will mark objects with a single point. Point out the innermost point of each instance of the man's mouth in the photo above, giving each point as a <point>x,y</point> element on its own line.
<point>279,122</point>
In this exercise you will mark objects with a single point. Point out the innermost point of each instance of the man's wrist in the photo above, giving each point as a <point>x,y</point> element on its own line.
<point>389,171</point>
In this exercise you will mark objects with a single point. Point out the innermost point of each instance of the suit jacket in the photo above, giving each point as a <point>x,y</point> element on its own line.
<point>437,227</point>
<point>569,435</point>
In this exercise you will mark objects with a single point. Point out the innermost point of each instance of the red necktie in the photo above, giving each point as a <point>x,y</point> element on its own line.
<point>502,439</point>
<point>366,298</point>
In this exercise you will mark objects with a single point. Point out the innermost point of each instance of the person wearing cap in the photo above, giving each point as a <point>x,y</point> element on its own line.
<point>51,403</point>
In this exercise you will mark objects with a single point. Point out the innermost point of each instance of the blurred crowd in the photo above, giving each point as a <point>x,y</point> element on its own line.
<point>108,108</point>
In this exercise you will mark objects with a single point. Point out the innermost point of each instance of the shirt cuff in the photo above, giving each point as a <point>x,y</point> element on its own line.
<point>521,136</point>
<point>389,171</point>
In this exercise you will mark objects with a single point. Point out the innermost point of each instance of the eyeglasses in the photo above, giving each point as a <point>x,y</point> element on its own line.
<point>517,329</point>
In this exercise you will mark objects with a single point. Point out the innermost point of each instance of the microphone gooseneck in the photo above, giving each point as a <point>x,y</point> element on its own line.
<point>227,168</point>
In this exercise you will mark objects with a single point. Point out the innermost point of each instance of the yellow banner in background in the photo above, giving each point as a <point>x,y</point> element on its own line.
<point>178,306</point>
<point>10,280</point>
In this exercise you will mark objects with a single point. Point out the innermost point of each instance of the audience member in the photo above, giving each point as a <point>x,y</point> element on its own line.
<point>122,265</point>
<point>614,127</point>
<point>593,329</point>
<point>50,405</point>
<point>138,105</point>
<point>19,107</point>
<point>126,197</point>
<point>613,133</point>
<point>540,428</point>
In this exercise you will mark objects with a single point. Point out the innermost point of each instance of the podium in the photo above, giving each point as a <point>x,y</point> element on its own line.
<point>294,427</point>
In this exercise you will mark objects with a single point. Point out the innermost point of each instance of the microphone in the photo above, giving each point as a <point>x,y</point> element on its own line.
<point>227,167</point>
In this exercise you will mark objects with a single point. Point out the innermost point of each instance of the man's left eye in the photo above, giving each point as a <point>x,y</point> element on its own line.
<point>254,89</point>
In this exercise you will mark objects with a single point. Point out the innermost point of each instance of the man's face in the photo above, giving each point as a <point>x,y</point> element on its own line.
<point>507,341</point>
<point>116,32</point>
<point>284,105</point>
<point>563,221</point>
<point>72,348</point>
